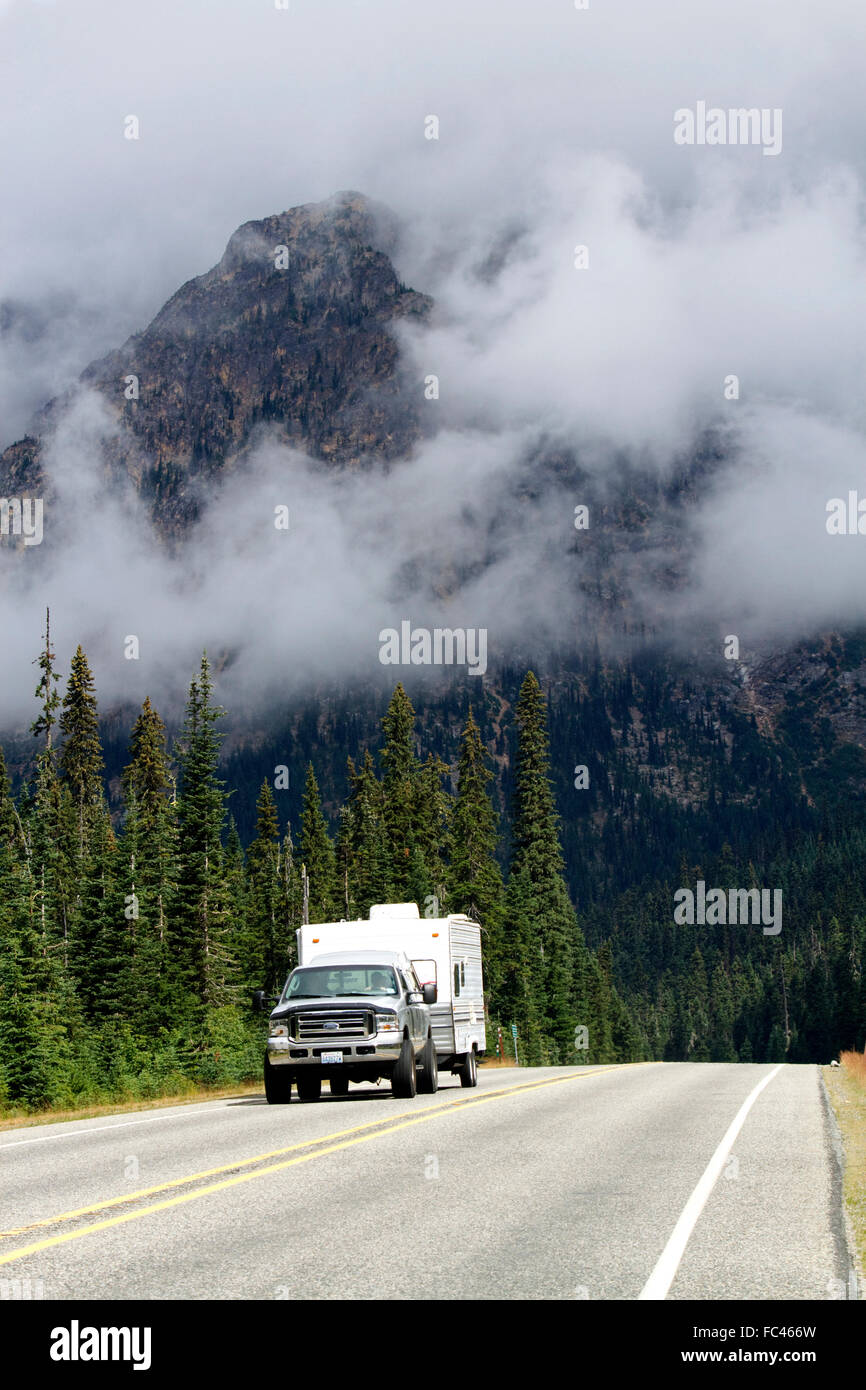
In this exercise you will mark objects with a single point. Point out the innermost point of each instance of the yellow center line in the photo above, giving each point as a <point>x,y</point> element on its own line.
<point>381,1129</point>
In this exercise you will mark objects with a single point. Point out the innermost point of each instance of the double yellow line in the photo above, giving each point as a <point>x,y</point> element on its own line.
<point>320,1148</point>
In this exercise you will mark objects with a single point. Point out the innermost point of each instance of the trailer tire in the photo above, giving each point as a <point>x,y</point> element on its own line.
<point>403,1081</point>
<point>428,1071</point>
<point>278,1084</point>
<point>339,1085</point>
<point>468,1073</point>
<point>309,1086</point>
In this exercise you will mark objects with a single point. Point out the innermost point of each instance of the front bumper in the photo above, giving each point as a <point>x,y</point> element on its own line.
<point>285,1052</point>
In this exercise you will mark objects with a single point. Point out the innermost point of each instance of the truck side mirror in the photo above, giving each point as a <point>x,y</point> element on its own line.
<point>259,1001</point>
<point>430,994</point>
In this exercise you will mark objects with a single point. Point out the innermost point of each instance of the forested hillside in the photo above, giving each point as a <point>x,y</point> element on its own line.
<point>129,947</point>
<point>134,925</point>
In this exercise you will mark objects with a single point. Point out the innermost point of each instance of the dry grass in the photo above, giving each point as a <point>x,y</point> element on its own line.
<point>847,1087</point>
<point>89,1112</point>
<point>855,1063</point>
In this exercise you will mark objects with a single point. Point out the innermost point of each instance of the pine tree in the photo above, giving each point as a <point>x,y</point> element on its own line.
<point>264,938</point>
<point>291,905</point>
<point>81,762</point>
<point>236,892</point>
<point>199,936</point>
<point>363,847</point>
<point>317,855</point>
<point>400,789</point>
<point>148,873</point>
<point>50,907</point>
<point>537,857</point>
<point>521,991</point>
<point>432,842</point>
<point>474,878</point>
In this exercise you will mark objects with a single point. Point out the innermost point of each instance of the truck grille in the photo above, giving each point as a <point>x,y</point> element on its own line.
<point>318,1025</point>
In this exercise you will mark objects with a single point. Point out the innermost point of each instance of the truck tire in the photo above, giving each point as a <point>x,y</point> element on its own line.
<point>278,1084</point>
<point>428,1071</point>
<point>309,1085</point>
<point>468,1073</point>
<point>339,1085</point>
<point>403,1082</point>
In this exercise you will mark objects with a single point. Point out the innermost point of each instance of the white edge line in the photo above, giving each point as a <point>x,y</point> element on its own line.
<point>179,1113</point>
<point>663,1275</point>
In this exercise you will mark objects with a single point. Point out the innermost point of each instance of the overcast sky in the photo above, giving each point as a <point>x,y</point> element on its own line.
<point>555,129</point>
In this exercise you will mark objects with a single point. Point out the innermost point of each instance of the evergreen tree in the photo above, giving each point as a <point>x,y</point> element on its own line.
<point>537,858</point>
<point>521,991</point>
<point>200,925</point>
<point>363,847</point>
<point>148,873</point>
<point>317,855</point>
<point>400,788</point>
<point>81,763</point>
<point>474,877</point>
<point>49,907</point>
<point>291,905</point>
<point>265,936</point>
<point>433,845</point>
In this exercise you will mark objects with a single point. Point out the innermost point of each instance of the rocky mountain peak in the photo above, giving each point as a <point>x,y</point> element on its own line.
<point>292,329</point>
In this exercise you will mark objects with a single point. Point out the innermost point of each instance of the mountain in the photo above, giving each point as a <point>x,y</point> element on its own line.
<point>306,349</point>
<point>746,771</point>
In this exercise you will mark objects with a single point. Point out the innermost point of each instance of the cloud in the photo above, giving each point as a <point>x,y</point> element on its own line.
<point>555,130</point>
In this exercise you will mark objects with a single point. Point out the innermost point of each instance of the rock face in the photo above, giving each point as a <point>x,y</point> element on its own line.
<point>291,329</point>
<point>294,330</point>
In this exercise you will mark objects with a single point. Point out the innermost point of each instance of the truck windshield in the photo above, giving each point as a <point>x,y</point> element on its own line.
<point>318,982</point>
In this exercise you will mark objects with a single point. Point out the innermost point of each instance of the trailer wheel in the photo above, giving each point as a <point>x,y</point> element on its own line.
<point>309,1086</point>
<point>468,1073</point>
<point>278,1084</point>
<point>428,1071</point>
<point>403,1083</point>
<point>339,1085</point>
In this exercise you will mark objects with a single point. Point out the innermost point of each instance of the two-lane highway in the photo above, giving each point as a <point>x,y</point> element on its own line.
<point>653,1180</point>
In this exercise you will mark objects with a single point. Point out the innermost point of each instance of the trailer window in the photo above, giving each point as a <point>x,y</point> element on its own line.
<point>456,980</point>
<point>463,972</point>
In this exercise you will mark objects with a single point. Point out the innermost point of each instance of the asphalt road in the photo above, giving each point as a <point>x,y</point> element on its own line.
<point>575,1183</point>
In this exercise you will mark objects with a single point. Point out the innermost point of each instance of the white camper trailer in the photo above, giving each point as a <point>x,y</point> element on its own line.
<point>445,951</point>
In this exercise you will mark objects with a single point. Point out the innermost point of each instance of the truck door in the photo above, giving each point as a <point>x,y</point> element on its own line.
<point>416,1012</point>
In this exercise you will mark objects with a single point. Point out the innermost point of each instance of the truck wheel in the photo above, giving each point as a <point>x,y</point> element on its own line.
<point>339,1085</point>
<point>309,1087</point>
<point>278,1084</point>
<point>468,1073</point>
<point>428,1072</point>
<point>403,1083</point>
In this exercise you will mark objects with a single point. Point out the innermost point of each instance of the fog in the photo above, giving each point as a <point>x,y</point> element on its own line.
<point>555,131</point>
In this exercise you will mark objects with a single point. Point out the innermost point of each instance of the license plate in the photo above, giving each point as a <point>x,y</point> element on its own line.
<point>332,1057</point>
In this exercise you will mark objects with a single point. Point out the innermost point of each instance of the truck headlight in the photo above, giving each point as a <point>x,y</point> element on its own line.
<point>386,1023</point>
<point>277,1030</point>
